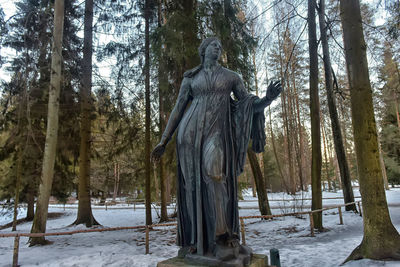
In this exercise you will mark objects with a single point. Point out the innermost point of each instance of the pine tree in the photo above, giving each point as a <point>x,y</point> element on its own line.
<point>381,239</point>
<point>40,219</point>
<point>147,101</point>
<point>85,215</point>
<point>390,137</point>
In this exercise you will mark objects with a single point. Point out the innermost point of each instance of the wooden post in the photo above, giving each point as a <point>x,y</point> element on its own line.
<point>15,254</point>
<point>359,208</point>
<point>311,223</point>
<point>242,230</point>
<point>147,239</point>
<point>340,215</point>
<point>106,205</point>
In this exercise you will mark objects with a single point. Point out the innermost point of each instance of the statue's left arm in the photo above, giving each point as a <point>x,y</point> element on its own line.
<point>174,119</point>
<point>273,91</point>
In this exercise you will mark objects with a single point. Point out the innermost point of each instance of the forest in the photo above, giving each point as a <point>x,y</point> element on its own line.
<point>87,87</point>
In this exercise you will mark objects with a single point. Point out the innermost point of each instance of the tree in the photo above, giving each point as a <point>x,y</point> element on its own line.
<point>40,219</point>
<point>286,60</point>
<point>162,91</point>
<point>85,215</point>
<point>175,50</point>
<point>3,31</point>
<point>393,8</point>
<point>29,36</point>
<point>381,239</point>
<point>147,100</point>
<point>336,131</point>
<point>315,118</point>
<point>263,203</point>
<point>389,136</point>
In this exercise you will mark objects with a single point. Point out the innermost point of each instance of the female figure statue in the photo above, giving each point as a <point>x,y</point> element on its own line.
<point>212,139</point>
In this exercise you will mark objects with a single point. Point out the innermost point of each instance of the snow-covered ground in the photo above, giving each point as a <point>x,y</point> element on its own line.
<point>126,248</point>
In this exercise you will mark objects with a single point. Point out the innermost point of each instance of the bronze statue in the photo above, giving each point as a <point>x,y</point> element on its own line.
<point>212,139</point>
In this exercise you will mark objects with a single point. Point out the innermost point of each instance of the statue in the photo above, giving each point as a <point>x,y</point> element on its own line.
<point>212,138</point>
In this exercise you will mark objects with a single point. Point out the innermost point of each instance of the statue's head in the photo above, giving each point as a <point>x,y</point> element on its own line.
<point>210,47</point>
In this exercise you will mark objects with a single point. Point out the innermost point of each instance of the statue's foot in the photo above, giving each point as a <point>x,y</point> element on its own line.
<point>245,250</point>
<point>183,251</point>
<point>226,252</point>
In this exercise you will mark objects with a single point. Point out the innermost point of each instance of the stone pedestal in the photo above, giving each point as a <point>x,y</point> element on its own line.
<point>257,260</point>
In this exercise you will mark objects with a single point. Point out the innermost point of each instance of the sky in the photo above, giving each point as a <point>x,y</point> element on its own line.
<point>9,9</point>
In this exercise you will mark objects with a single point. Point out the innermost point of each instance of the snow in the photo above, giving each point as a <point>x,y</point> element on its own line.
<point>126,248</point>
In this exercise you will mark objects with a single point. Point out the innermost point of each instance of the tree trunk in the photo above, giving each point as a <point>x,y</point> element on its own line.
<point>20,155</point>
<point>315,119</point>
<point>147,122</point>
<point>384,175</point>
<point>336,131</point>
<point>299,152</point>
<point>292,137</point>
<point>285,83</point>
<point>115,182</point>
<point>162,92</point>
<point>326,161</point>
<point>263,203</point>
<point>396,104</point>
<point>40,219</point>
<point>30,198</point>
<point>381,239</point>
<point>274,148</point>
<point>85,215</point>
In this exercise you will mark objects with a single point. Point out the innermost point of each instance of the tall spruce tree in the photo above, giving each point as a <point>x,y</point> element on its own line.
<point>147,118</point>
<point>85,215</point>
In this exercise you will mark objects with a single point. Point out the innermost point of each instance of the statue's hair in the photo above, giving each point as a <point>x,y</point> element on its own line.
<point>202,51</point>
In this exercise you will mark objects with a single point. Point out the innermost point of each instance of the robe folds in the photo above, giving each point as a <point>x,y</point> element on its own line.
<point>212,138</point>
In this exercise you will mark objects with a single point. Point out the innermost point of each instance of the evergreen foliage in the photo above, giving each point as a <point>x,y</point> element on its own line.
<point>390,133</point>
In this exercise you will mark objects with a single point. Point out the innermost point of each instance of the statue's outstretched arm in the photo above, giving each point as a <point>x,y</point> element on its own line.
<point>273,91</point>
<point>174,119</point>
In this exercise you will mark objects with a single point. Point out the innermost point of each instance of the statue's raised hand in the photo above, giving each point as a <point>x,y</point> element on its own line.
<point>157,152</point>
<point>274,89</point>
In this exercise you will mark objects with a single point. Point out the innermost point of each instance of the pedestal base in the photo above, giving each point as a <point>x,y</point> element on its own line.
<point>257,260</point>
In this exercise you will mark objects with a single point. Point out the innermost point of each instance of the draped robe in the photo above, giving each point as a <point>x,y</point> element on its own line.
<point>212,139</point>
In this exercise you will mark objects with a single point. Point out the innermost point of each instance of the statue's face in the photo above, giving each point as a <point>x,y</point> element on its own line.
<point>213,50</point>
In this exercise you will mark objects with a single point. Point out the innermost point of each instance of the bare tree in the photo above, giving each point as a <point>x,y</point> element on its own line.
<point>336,131</point>
<point>315,118</point>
